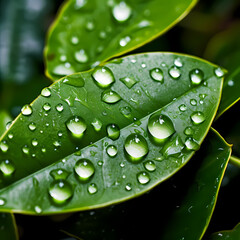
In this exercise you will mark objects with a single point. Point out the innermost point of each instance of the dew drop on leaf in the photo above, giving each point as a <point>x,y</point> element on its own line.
<point>59,107</point>
<point>4,146</point>
<point>92,188</point>
<point>174,72</point>
<point>196,76</point>
<point>34,142</point>
<point>81,56</point>
<point>219,72</point>
<point>128,81</point>
<point>197,117</point>
<point>143,178</point>
<point>97,124</point>
<point>76,125</point>
<point>110,97</point>
<point>2,201</point>
<point>32,126</point>
<point>150,166</point>
<point>113,131</point>
<point>121,12</point>
<point>182,107</point>
<point>46,92</point>
<point>103,76</point>
<point>111,150</point>
<point>84,169</point>
<point>188,131</point>
<point>7,167</point>
<point>178,62</point>
<point>59,173</point>
<point>191,144</point>
<point>26,110</point>
<point>47,107</point>
<point>157,74</point>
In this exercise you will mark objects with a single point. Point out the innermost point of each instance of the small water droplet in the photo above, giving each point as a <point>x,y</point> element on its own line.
<point>128,187</point>
<point>32,126</point>
<point>157,74</point>
<point>4,146</point>
<point>57,143</point>
<point>43,150</point>
<point>128,81</point>
<point>34,142</point>
<point>112,150</point>
<point>178,62</point>
<point>160,127</point>
<point>121,12</point>
<point>110,96</point>
<point>63,58</point>
<point>7,167</point>
<point>37,209</point>
<point>77,126</point>
<point>219,72</point>
<point>92,188</point>
<point>10,136</point>
<point>113,131</point>
<point>47,107</point>
<point>25,149</point>
<point>84,169</point>
<point>26,110</point>
<point>81,56</point>
<point>230,83</point>
<point>126,111</point>
<point>182,107</point>
<point>174,72</point>
<point>97,124</point>
<point>2,201</point>
<point>60,191</point>
<point>103,76</point>
<point>59,107</point>
<point>124,41</point>
<point>143,178</point>
<point>196,76</point>
<point>150,166</point>
<point>46,92</point>
<point>193,102</point>
<point>197,117</point>
<point>136,147</point>
<point>188,131</point>
<point>191,144</point>
<point>74,40</point>
<point>90,26</point>
<point>59,173</point>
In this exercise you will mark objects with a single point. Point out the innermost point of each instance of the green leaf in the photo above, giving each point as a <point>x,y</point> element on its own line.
<point>8,229</point>
<point>99,30</point>
<point>191,219</point>
<point>227,235</point>
<point>161,124</point>
<point>4,120</point>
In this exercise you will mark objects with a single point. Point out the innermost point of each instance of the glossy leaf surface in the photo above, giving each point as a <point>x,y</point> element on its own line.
<point>191,219</point>
<point>123,148</point>
<point>227,235</point>
<point>86,33</point>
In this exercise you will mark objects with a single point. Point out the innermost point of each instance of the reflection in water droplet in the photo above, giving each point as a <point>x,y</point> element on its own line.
<point>47,107</point>
<point>7,167</point>
<point>128,81</point>
<point>60,191</point>
<point>2,201</point>
<point>103,76</point>
<point>110,96</point>
<point>32,126</point>
<point>143,177</point>
<point>156,74</point>
<point>188,131</point>
<point>4,146</point>
<point>191,144</point>
<point>92,188</point>
<point>81,56</point>
<point>111,150</point>
<point>178,62</point>
<point>193,102</point>
<point>160,127</point>
<point>126,111</point>
<point>197,117</point>
<point>84,169</point>
<point>136,147</point>
<point>25,149</point>
<point>150,166</point>
<point>26,110</point>
<point>182,107</point>
<point>174,72</point>
<point>34,142</point>
<point>77,126</point>
<point>219,72</point>
<point>46,92</point>
<point>59,107</point>
<point>97,124</point>
<point>196,76</point>
<point>113,131</point>
<point>121,12</point>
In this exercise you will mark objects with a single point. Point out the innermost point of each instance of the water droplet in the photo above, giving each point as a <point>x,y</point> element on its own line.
<point>63,69</point>
<point>196,76</point>
<point>81,56</point>
<point>43,150</point>
<point>57,143</point>
<point>122,12</point>
<point>46,92</point>
<point>97,124</point>
<point>77,126</point>
<point>59,107</point>
<point>124,41</point>
<point>182,107</point>
<point>136,147</point>
<point>75,80</point>
<point>129,81</point>
<point>25,149</point>
<point>191,144</point>
<point>219,72</point>
<point>197,117</point>
<point>10,135</point>
<point>7,167</point>
<point>110,96</point>
<point>126,111</point>
<point>92,188</point>
<point>230,83</point>
<point>32,126</point>
<point>74,40</point>
<point>156,74</point>
<point>178,62</point>
<point>59,173</point>
<point>188,131</point>
<point>173,147</point>
<point>103,76</point>
<point>113,131</point>
<point>34,142</point>
<point>143,177</point>
<point>174,72</point>
<point>193,102</point>
<point>47,107</point>
<point>90,25</point>
<point>128,187</point>
<point>111,150</point>
<point>2,201</point>
<point>37,209</point>
<point>4,146</point>
<point>84,169</point>
<point>150,166</point>
<point>160,127</point>
<point>60,191</point>
<point>26,110</point>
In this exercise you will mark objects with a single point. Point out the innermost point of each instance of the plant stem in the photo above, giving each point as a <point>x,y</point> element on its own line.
<point>235,161</point>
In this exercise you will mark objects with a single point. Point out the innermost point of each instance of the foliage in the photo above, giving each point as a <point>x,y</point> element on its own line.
<point>126,133</point>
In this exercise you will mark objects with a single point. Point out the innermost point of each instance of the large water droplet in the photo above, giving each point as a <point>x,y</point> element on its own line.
<point>160,127</point>
<point>46,92</point>
<point>92,188</point>
<point>122,12</point>
<point>110,96</point>
<point>150,166</point>
<point>197,117</point>
<point>7,167</point>
<point>174,72</point>
<point>84,169</point>
<point>81,56</point>
<point>77,126</point>
<point>97,124</point>
<point>136,147</point>
<point>129,81</point>
<point>113,131</point>
<point>191,144</point>
<point>143,178</point>
<point>59,173</point>
<point>26,110</point>
<point>156,74</point>
<point>111,150</point>
<point>103,76</point>
<point>60,191</point>
<point>4,146</point>
<point>196,76</point>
